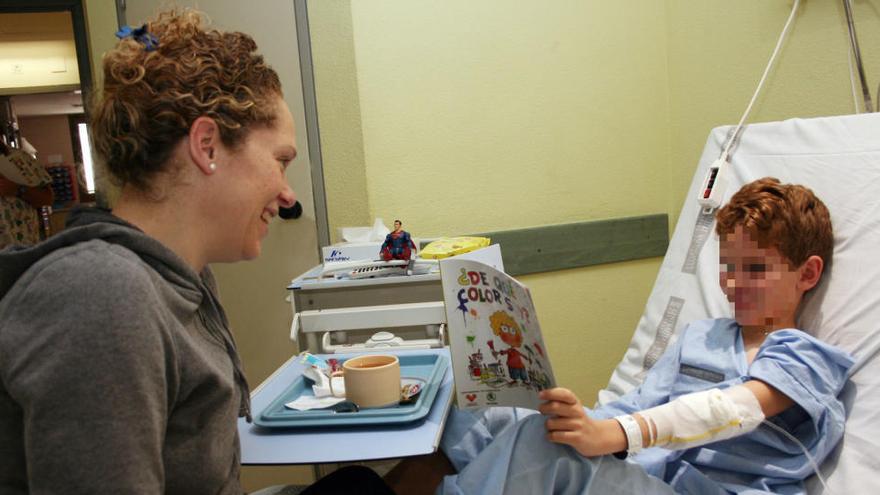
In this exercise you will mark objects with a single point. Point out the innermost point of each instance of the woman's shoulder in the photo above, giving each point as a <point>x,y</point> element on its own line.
<point>86,294</point>
<point>94,260</point>
<point>87,273</point>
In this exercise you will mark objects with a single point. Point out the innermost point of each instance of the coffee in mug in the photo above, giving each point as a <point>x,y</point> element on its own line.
<point>371,380</point>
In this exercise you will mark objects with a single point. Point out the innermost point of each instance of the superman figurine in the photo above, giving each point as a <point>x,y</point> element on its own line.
<point>398,245</point>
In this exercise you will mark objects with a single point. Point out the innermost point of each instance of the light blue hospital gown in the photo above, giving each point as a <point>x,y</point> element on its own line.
<point>504,450</point>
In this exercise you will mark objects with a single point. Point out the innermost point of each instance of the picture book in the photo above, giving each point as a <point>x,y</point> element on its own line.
<point>498,354</point>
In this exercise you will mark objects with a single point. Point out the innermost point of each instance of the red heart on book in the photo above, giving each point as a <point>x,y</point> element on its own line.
<point>471,397</point>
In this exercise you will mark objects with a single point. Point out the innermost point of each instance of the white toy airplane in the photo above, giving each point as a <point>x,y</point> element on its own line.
<point>372,268</point>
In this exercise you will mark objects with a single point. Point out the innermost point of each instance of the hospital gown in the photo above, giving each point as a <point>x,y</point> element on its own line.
<point>504,450</point>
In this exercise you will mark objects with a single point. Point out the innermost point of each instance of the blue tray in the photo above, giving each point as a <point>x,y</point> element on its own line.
<point>429,367</point>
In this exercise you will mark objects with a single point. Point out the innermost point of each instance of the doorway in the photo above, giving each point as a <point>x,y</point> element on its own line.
<point>45,82</point>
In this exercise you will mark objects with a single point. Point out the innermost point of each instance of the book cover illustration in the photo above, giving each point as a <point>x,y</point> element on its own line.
<point>498,353</point>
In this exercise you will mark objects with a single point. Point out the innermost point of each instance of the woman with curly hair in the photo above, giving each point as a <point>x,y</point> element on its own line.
<point>125,377</point>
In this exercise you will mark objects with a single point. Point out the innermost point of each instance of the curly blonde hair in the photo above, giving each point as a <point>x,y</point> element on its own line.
<point>151,97</point>
<point>788,217</point>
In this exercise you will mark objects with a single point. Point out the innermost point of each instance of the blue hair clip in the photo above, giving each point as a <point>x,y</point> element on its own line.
<point>141,35</point>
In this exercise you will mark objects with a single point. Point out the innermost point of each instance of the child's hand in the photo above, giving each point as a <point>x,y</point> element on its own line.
<point>568,423</point>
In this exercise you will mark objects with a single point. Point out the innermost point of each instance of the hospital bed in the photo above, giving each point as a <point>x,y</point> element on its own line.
<point>839,158</point>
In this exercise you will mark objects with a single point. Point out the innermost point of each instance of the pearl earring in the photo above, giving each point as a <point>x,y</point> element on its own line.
<point>213,167</point>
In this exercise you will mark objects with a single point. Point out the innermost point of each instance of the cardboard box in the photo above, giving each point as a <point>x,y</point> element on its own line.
<point>351,251</point>
<point>355,251</point>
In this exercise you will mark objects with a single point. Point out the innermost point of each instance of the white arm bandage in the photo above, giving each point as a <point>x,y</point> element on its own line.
<point>703,417</point>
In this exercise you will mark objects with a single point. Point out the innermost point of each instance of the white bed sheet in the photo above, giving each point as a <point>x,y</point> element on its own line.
<point>839,158</point>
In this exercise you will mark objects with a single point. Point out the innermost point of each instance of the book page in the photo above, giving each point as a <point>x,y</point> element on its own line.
<point>498,352</point>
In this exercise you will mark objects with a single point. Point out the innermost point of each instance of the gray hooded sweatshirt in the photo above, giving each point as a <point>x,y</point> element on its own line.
<point>118,373</point>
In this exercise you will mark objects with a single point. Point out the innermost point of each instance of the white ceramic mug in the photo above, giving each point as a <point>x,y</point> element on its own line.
<point>372,380</point>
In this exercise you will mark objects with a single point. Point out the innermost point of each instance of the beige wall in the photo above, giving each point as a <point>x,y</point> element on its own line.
<point>505,114</point>
<point>489,115</point>
<point>101,27</point>
<point>339,115</point>
<point>50,135</point>
<point>718,50</point>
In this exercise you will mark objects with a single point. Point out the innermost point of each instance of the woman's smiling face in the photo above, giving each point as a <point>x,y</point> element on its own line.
<point>257,184</point>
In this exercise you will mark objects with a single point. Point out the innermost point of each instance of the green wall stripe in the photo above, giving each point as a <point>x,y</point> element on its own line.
<point>571,245</point>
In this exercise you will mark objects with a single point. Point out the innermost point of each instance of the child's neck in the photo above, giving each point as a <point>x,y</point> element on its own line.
<point>752,338</point>
<point>754,335</point>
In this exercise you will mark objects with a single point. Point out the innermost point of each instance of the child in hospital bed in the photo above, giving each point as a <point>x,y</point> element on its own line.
<point>695,423</point>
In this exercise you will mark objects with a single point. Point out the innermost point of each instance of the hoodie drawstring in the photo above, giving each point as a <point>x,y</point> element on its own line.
<point>221,330</point>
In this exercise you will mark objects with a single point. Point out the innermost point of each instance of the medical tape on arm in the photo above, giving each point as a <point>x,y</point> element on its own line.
<point>704,417</point>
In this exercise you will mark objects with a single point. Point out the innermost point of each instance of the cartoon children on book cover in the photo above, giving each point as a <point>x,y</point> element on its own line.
<point>498,354</point>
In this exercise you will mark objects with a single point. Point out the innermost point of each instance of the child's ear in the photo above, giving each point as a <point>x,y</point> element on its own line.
<point>810,273</point>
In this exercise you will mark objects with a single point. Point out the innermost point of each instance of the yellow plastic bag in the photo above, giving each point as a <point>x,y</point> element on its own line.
<point>451,246</point>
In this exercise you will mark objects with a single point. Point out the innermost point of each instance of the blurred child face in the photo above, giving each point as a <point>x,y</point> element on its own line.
<point>758,281</point>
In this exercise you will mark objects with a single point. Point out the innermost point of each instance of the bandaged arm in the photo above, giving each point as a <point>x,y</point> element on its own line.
<point>695,419</point>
